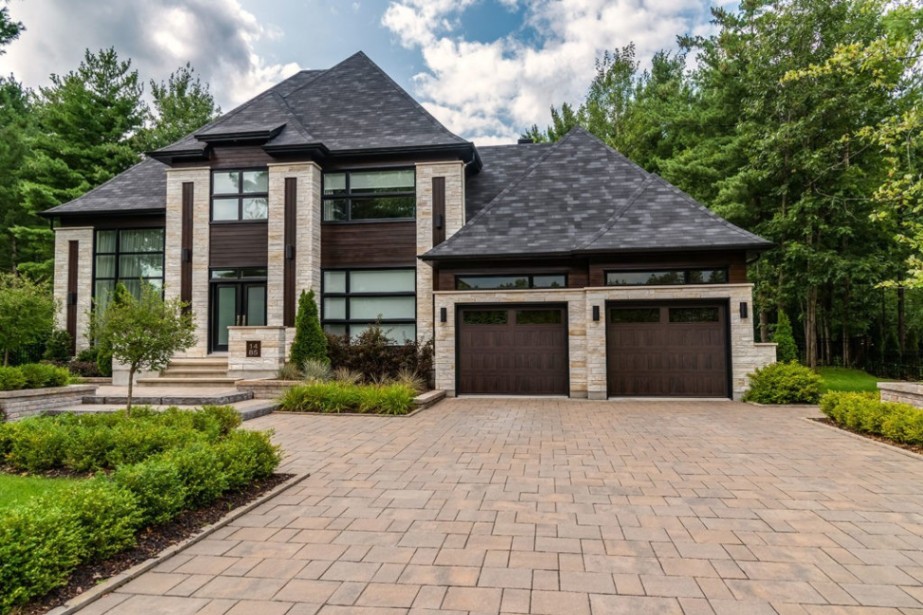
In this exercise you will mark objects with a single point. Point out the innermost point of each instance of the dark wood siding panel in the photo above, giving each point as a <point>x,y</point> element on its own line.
<point>73,255</point>
<point>288,270</point>
<point>242,244</point>
<point>438,210</point>
<point>369,245</point>
<point>185,276</point>
<point>736,263</point>
<point>234,157</point>
<point>115,221</point>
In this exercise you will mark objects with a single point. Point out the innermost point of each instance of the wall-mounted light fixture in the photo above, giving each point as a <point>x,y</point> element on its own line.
<point>595,313</point>
<point>743,309</point>
<point>289,252</point>
<point>443,315</point>
<point>187,255</point>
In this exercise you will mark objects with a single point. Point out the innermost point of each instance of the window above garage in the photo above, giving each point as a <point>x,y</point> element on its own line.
<point>510,281</point>
<point>667,277</point>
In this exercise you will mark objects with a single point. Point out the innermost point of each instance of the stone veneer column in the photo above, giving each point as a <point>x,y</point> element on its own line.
<point>201,180</point>
<point>62,238</point>
<point>454,174</point>
<point>307,235</point>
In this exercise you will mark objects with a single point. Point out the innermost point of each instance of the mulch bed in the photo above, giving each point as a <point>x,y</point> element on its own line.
<point>151,541</point>
<point>913,448</point>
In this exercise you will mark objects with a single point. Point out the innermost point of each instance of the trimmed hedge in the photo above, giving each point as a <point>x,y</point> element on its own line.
<point>42,541</point>
<point>784,383</point>
<point>33,376</point>
<point>336,397</point>
<point>865,413</point>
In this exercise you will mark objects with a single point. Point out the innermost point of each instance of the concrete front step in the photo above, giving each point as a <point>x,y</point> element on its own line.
<point>201,361</point>
<point>187,382</point>
<point>188,399</point>
<point>193,372</point>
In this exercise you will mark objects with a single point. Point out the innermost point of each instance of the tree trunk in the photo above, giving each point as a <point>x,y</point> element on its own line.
<point>6,357</point>
<point>764,325</point>
<point>845,332</point>
<point>810,328</point>
<point>901,321</point>
<point>131,385</point>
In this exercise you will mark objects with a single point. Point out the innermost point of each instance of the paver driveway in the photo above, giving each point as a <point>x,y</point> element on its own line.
<point>571,507</point>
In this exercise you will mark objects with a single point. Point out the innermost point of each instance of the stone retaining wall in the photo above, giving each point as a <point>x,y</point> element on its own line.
<point>903,392</point>
<point>20,404</point>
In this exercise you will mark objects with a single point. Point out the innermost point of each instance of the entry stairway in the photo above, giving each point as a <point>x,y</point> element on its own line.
<point>208,372</point>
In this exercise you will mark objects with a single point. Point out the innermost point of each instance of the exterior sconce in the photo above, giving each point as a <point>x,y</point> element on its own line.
<point>743,309</point>
<point>443,316</point>
<point>187,255</point>
<point>595,313</point>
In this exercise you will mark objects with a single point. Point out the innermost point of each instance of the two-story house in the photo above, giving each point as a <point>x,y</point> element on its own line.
<point>538,269</point>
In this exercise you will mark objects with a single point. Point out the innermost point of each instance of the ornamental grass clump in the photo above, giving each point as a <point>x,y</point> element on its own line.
<point>338,396</point>
<point>784,383</point>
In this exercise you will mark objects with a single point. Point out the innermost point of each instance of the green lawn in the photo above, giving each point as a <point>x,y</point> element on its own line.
<point>18,489</point>
<point>845,379</point>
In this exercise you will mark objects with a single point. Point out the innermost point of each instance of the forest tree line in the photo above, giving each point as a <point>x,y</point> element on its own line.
<point>84,128</point>
<point>799,120</point>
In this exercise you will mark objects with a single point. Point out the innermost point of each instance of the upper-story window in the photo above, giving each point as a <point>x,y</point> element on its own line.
<point>666,277</point>
<point>240,195</point>
<point>355,196</point>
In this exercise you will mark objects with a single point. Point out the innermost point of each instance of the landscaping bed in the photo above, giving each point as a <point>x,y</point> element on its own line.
<point>148,469</point>
<point>337,397</point>
<point>865,414</point>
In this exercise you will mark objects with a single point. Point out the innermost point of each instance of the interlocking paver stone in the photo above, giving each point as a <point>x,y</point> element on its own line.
<point>563,506</point>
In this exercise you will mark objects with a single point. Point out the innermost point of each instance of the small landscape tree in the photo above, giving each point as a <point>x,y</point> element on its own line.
<point>310,341</point>
<point>26,313</point>
<point>786,350</point>
<point>145,332</point>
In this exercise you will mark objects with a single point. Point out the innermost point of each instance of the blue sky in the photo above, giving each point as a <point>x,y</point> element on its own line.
<point>487,69</point>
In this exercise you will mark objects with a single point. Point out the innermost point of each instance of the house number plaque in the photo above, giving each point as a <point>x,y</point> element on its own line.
<point>254,348</point>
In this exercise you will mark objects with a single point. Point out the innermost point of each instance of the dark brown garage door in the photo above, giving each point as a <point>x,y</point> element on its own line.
<point>512,350</point>
<point>674,350</point>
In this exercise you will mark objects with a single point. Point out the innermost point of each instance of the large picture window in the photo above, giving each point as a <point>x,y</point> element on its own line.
<point>355,196</point>
<point>240,195</point>
<point>129,256</point>
<point>666,277</point>
<point>354,300</point>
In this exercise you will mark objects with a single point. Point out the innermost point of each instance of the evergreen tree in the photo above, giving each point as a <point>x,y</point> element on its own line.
<point>310,341</point>
<point>181,104</point>
<point>786,350</point>
<point>9,29</point>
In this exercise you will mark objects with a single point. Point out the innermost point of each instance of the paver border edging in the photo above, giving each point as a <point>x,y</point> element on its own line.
<point>413,412</point>
<point>113,583</point>
<point>892,447</point>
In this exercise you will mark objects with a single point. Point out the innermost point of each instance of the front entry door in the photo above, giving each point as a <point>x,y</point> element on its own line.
<point>236,304</point>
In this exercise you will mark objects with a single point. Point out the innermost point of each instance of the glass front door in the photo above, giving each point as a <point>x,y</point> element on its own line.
<point>236,304</point>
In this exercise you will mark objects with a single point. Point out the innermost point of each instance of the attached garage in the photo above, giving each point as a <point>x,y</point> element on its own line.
<point>667,350</point>
<point>512,350</point>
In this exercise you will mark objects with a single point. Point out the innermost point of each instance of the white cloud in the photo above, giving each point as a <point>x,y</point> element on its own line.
<point>489,91</point>
<point>217,36</point>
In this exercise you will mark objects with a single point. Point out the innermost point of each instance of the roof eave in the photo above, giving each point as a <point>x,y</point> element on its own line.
<point>756,247</point>
<point>182,155</point>
<point>51,213</point>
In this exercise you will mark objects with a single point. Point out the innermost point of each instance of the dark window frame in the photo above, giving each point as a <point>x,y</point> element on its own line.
<point>240,195</point>
<point>530,276</point>
<point>347,322</point>
<point>118,254</point>
<point>685,271</point>
<point>349,197</point>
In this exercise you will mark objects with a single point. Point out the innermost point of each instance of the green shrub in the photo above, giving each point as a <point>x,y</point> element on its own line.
<point>158,486</point>
<point>375,357</point>
<point>39,548</point>
<point>108,516</point>
<point>245,456</point>
<point>11,379</point>
<point>310,341</point>
<point>58,347</point>
<point>35,444</point>
<point>338,396</point>
<point>40,375</point>
<point>864,412</point>
<point>784,383</point>
<point>198,466</point>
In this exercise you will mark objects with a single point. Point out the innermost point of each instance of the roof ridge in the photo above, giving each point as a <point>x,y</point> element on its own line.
<point>298,125</point>
<point>629,203</point>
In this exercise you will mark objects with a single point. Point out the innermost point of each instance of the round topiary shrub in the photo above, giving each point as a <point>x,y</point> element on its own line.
<point>784,383</point>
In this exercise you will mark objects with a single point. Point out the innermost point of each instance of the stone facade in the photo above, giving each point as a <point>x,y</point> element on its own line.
<point>21,404</point>
<point>454,174</point>
<point>201,213</point>
<point>902,392</point>
<point>587,339</point>
<point>273,350</point>
<point>62,239</point>
<point>307,237</point>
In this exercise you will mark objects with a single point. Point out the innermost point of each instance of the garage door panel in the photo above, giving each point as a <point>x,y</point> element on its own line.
<point>498,355</point>
<point>683,354</point>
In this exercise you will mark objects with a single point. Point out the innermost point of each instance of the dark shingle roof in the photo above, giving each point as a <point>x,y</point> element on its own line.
<point>581,196</point>
<point>503,164</point>
<point>143,187</point>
